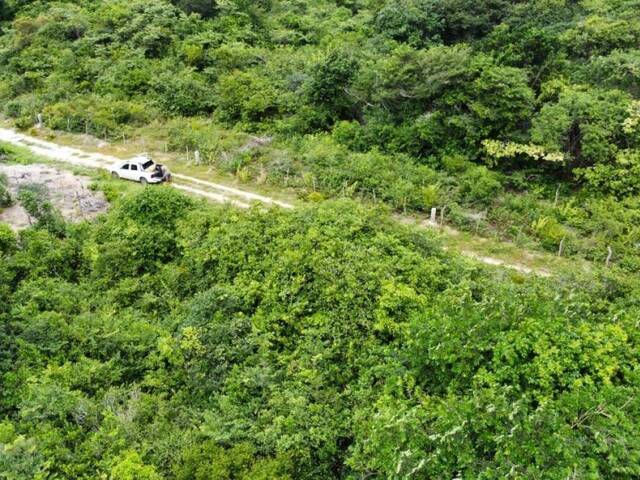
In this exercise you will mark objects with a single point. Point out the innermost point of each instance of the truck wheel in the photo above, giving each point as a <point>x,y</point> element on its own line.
<point>115,175</point>
<point>143,181</point>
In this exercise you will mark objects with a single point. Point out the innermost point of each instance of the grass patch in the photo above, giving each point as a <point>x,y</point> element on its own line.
<point>20,155</point>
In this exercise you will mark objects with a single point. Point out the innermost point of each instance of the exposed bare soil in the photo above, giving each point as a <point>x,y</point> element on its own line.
<point>214,191</point>
<point>69,193</point>
<point>219,192</point>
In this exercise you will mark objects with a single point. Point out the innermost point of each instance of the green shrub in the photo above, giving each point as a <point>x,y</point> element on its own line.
<point>35,200</point>
<point>456,163</point>
<point>431,196</point>
<point>479,185</point>
<point>620,178</point>
<point>100,116</point>
<point>394,179</point>
<point>315,197</point>
<point>6,200</point>
<point>246,97</point>
<point>549,231</point>
<point>182,93</point>
<point>6,91</point>
<point>8,240</point>
<point>215,143</point>
<point>24,108</point>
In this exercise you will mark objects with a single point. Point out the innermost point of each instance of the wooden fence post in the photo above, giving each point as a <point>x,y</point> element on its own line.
<point>555,202</point>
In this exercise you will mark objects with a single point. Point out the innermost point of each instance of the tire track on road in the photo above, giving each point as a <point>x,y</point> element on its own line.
<point>210,190</point>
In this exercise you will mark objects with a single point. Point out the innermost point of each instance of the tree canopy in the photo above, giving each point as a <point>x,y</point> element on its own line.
<point>408,94</point>
<point>175,340</point>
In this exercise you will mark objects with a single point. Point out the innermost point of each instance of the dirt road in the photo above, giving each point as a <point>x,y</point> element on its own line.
<point>213,191</point>
<point>74,156</point>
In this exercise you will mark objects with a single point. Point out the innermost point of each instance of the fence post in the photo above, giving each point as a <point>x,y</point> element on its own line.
<point>555,202</point>
<point>561,247</point>
<point>434,212</point>
<point>197,156</point>
<point>609,255</point>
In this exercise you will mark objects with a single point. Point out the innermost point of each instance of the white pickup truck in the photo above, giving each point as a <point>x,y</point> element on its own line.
<point>140,169</point>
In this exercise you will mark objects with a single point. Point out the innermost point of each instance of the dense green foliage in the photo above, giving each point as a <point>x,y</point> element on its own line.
<point>6,199</point>
<point>35,199</point>
<point>171,340</point>
<point>400,101</point>
<point>418,76</point>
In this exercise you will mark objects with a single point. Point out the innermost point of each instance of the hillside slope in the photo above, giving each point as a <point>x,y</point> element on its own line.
<point>525,110</point>
<point>173,339</point>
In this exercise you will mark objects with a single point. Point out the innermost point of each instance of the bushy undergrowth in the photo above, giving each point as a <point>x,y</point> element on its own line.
<point>171,340</point>
<point>416,103</point>
<point>6,199</point>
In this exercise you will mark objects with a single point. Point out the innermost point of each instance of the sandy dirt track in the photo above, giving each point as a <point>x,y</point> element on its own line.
<point>210,190</point>
<point>213,191</point>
